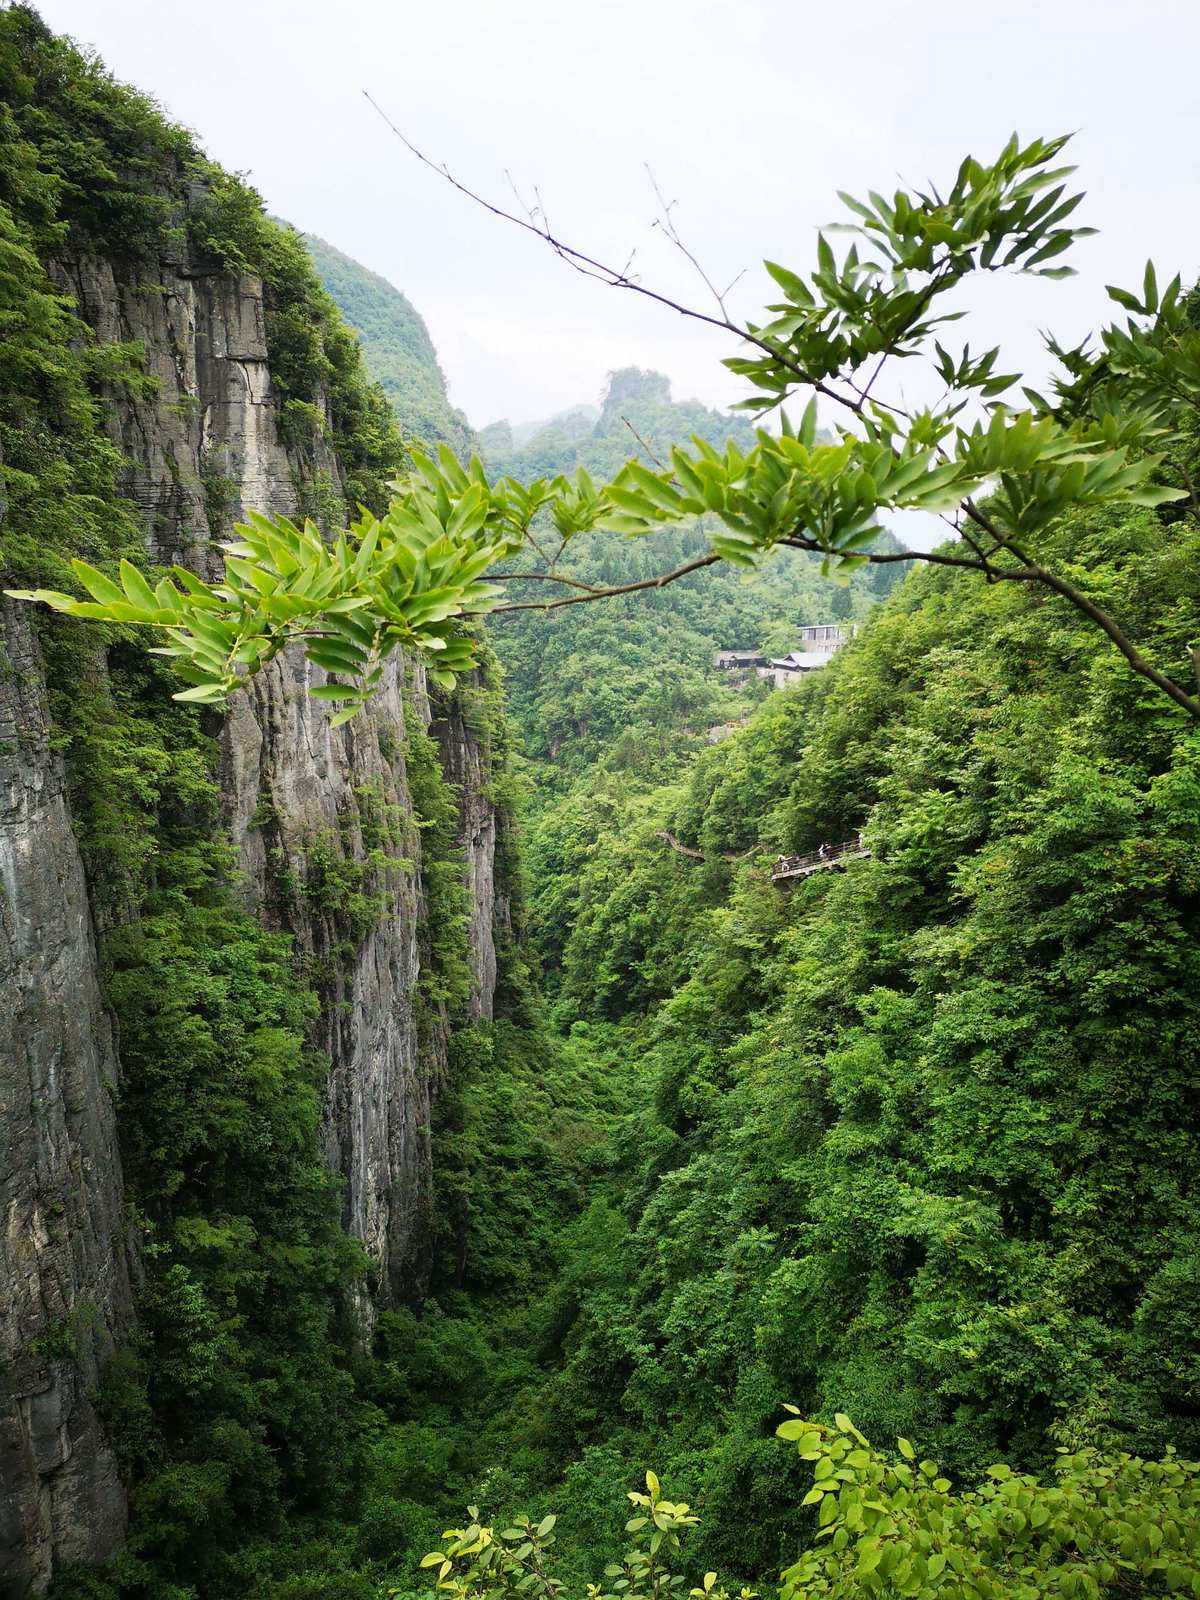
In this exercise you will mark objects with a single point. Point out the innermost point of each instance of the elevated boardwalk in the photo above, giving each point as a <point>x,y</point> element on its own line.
<point>828,856</point>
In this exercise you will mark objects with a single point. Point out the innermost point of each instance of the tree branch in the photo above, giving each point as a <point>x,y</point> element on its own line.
<point>1031,572</point>
<point>590,267</point>
<point>981,562</point>
<point>604,594</point>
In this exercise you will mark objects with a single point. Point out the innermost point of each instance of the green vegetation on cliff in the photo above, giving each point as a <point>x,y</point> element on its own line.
<point>396,347</point>
<point>915,1142</point>
<point>238,1410</point>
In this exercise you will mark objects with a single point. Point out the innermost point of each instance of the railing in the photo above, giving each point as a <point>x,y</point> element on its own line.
<point>829,855</point>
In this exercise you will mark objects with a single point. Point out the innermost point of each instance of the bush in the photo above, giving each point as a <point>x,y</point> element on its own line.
<point>892,1526</point>
<point>1105,1525</point>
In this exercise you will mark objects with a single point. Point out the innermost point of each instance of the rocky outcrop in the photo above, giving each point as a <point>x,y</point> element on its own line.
<point>323,823</point>
<point>200,435</point>
<point>203,444</point>
<point>465,759</point>
<point>65,1297</point>
<point>300,799</point>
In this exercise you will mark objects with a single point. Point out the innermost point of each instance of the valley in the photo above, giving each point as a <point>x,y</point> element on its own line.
<point>551,1075</point>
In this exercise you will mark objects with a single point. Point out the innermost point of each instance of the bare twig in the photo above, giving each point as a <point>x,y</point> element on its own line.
<point>590,267</point>
<point>643,444</point>
<point>552,577</point>
<point>667,224</point>
<point>603,594</point>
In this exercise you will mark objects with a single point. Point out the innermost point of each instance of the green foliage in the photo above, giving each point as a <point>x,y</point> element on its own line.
<point>234,1410</point>
<point>791,489</point>
<point>918,1139</point>
<point>235,1405</point>
<point>913,1138</point>
<point>1010,214</point>
<point>94,165</point>
<point>445,976</point>
<point>476,1560</point>
<point>1105,1525</point>
<point>400,581</point>
<point>396,347</point>
<point>893,1526</point>
<point>318,374</point>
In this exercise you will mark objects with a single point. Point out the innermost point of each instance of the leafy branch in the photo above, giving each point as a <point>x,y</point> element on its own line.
<point>1004,477</point>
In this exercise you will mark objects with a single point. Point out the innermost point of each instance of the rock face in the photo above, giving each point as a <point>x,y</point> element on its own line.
<point>204,448</point>
<point>65,1298</point>
<point>297,796</point>
<point>464,758</point>
<point>201,441</point>
<point>302,802</point>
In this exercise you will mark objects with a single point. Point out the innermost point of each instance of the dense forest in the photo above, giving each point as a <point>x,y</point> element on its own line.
<point>915,1142</point>
<point>902,1152</point>
<point>629,686</point>
<point>396,346</point>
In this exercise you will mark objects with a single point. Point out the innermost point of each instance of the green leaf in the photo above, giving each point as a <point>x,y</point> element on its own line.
<point>1124,298</point>
<point>206,693</point>
<point>792,285</point>
<point>137,589</point>
<point>1150,289</point>
<point>98,586</point>
<point>333,691</point>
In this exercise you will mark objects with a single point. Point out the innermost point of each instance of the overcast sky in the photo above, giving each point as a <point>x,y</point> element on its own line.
<point>750,113</point>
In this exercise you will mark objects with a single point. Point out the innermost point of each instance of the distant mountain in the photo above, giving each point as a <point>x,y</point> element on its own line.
<point>637,405</point>
<point>396,346</point>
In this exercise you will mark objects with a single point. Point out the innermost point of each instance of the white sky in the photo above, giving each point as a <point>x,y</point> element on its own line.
<point>751,114</point>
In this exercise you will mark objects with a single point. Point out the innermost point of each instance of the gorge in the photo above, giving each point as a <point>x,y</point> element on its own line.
<point>445,1106</point>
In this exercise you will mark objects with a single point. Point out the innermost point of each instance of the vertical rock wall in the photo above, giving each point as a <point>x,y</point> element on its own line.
<point>465,759</point>
<point>65,1298</point>
<point>202,444</point>
<point>203,448</point>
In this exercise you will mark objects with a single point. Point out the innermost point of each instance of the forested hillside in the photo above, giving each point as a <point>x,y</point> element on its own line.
<point>629,683</point>
<point>428,1140</point>
<point>395,344</point>
<point>637,416</point>
<point>915,1141</point>
<point>613,699</point>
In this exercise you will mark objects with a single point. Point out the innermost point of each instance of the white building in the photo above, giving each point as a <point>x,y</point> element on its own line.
<point>819,644</point>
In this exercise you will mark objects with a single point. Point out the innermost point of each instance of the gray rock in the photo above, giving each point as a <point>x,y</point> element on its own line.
<point>202,446</point>
<point>64,1281</point>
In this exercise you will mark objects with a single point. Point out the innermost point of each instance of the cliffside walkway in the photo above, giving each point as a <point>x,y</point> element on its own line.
<point>698,855</point>
<point>829,855</point>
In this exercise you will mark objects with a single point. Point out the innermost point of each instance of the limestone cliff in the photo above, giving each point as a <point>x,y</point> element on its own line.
<point>202,443</point>
<point>288,780</point>
<point>64,1275</point>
